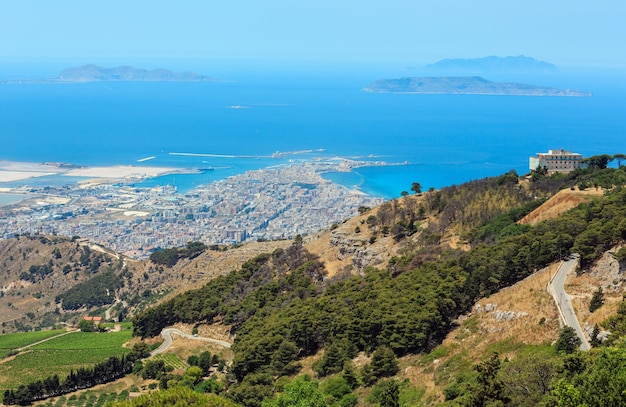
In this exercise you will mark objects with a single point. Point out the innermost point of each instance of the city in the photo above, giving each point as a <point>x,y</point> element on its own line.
<point>275,203</point>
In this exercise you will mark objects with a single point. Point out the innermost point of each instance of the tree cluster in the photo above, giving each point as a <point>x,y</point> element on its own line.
<point>104,372</point>
<point>169,257</point>
<point>177,396</point>
<point>268,280</point>
<point>98,290</point>
<point>37,272</point>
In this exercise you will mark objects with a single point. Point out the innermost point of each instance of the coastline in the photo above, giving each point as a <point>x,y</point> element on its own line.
<point>15,171</point>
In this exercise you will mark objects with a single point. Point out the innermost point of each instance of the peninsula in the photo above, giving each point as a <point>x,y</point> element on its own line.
<point>464,85</point>
<point>95,73</point>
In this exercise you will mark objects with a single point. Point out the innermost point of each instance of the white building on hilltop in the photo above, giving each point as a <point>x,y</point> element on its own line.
<point>556,161</point>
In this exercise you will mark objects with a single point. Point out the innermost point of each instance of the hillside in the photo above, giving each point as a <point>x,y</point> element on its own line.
<point>400,282</point>
<point>38,269</point>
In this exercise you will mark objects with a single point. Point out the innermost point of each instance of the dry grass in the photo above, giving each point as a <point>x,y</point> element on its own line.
<point>560,203</point>
<point>478,333</point>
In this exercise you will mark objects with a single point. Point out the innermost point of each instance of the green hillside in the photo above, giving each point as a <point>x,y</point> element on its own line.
<point>282,310</point>
<point>348,339</point>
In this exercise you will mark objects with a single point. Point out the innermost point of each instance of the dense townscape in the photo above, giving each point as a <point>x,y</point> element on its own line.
<point>273,203</point>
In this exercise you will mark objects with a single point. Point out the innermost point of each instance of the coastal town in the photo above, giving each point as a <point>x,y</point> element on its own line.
<point>273,203</point>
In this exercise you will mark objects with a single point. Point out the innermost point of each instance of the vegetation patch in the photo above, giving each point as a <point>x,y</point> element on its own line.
<point>95,292</point>
<point>10,342</point>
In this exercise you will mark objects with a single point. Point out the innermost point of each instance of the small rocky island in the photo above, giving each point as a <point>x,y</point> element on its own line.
<point>95,73</point>
<point>464,85</point>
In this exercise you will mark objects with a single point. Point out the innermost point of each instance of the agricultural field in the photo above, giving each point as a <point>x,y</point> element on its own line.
<point>60,355</point>
<point>87,399</point>
<point>172,360</point>
<point>10,342</point>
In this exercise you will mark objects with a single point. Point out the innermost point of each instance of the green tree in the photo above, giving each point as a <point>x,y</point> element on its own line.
<point>386,393</point>
<point>349,374</point>
<point>416,187</point>
<point>384,362</point>
<point>604,381</point>
<point>367,375</point>
<point>564,395</point>
<point>619,158</point>
<point>205,361</point>
<point>302,392</point>
<point>595,342</point>
<point>620,255</point>
<point>528,378</point>
<point>193,375</point>
<point>286,353</point>
<point>489,389</point>
<point>192,360</point>
<point>336,388</point>
<point>252,390</point>
<point>86,326</point>
<point>331,362</point>
<point>568,341</point>
<point>153,369</point>
<point>597,300</point>
<point>599,162</point>
<point>140,350</point>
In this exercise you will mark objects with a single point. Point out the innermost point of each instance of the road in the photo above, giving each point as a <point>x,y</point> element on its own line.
<point>556,287</point>
<point>167,335</point>
<point>44,340</point>
<point>107,313</point>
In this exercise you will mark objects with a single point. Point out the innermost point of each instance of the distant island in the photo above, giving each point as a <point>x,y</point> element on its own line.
<point>95,73</point>
<point>464,85</point>
<point>491,64</point>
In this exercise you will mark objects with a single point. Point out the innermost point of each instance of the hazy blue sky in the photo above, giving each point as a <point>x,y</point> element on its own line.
<point>565,32</point>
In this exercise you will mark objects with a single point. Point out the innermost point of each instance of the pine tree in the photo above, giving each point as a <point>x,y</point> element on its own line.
<point>594,336</point>
<point>490,388</point>
<point>384,362</point>
<point>568,341</point>
<point>597,300</point>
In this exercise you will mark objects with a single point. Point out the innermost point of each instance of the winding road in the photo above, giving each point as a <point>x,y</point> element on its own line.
<point>167,335</point>
<point>556,287</point>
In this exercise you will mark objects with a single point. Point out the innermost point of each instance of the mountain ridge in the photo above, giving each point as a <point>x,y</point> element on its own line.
<point>492,64</point>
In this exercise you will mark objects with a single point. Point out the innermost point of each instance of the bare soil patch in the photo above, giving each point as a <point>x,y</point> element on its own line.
<point>562,202</point>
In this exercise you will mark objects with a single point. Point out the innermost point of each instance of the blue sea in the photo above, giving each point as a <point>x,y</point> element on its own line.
<point>444,139</point>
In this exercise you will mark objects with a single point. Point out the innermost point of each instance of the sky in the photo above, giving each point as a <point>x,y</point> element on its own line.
<point>409,32</point>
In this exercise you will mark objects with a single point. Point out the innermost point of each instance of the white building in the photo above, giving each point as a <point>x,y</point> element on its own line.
<point>556,161</point>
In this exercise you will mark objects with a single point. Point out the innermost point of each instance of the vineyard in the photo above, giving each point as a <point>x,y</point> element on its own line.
<point>87,399</point>
<point>10,342</point>
<point>60,355</point>
<point>172,360</point>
